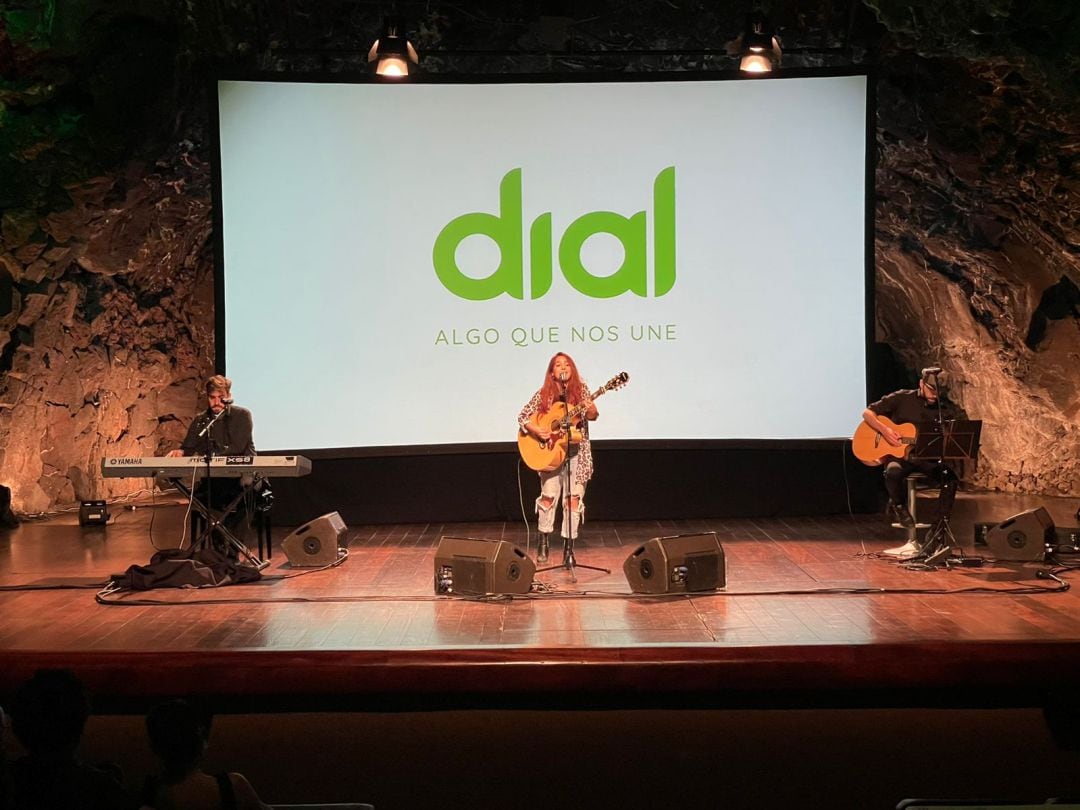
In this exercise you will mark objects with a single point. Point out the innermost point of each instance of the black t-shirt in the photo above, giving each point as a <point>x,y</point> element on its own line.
<point>907,406</point>
<point>230,435</point>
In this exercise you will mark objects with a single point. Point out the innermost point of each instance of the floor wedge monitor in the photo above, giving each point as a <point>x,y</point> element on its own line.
<point>316,543</point>
<point>473,567</point>
<point>681,563</point>
<point>1022,537</point>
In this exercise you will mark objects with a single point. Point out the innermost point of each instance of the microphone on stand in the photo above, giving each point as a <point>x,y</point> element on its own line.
<point>210,424</point>
<point>207,424</point>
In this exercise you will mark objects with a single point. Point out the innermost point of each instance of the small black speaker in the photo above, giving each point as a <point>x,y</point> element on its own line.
<point>93,513</point>
<point>464,565</point>
<point>1022,537</point>
<point>316,543</point>
<point>681,563</point>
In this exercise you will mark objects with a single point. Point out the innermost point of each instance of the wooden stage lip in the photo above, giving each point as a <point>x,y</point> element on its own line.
<point>915,674</point>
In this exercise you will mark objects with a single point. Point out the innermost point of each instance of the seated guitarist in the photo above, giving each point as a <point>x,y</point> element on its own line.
<point>561,379</point>
<point>918,406</point>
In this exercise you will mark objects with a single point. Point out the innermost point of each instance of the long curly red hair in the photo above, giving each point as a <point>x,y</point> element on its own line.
<point>551,390</point>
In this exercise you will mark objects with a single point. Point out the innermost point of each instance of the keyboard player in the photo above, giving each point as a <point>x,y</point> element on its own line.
<point>229,434</point>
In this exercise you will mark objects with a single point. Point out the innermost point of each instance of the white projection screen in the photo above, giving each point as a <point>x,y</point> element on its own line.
<point>400,261</point>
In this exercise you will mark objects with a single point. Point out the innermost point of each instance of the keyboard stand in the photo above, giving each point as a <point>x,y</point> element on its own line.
<point>218,525</point>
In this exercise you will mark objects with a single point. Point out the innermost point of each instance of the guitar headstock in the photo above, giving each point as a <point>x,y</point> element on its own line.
<point>618,381</point>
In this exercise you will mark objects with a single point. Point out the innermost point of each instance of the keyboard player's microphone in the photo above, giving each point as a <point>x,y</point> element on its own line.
<point>210,423</point>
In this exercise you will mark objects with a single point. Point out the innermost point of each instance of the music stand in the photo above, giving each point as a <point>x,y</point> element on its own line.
<point>952,440</point>
<point>945,440</point>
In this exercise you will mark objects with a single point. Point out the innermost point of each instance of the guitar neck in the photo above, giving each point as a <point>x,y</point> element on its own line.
<point>578,410</point>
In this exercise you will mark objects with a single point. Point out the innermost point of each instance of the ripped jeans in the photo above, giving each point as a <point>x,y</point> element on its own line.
<point>551,484</point>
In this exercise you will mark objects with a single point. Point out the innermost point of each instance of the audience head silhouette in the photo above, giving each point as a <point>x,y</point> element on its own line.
<point>49,713</point>
<point>179,732</point>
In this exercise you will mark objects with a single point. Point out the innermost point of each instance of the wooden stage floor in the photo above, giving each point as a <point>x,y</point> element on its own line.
<point>809,616</point>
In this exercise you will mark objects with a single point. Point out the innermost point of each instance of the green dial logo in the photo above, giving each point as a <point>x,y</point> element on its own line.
<point>506,229</point>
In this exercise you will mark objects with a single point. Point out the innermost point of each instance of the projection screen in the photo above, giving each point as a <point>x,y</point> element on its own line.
<point>400,261</point>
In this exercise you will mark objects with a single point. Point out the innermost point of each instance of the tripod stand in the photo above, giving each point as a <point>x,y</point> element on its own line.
<point>569,561</point>
<point>940,543</point>
<point>214,523</point>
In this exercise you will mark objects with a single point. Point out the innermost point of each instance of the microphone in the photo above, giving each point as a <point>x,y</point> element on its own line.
<point>214,417</point>
<point>209,423</point>
<point>564,376</point>
<point>931,370</point>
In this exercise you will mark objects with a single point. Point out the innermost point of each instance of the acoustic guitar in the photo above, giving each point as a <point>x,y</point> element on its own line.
<point>547,455</point>
<point>871,448</point>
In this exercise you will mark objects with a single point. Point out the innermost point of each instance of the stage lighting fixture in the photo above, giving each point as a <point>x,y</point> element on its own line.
<point>760,47</point>
<point>392,55</point>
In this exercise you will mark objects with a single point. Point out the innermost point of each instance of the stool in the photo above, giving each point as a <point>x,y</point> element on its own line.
<point>912,484</point>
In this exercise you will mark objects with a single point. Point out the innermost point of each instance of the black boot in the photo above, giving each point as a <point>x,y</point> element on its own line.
<point>898,513</point>
<point>543,547</point>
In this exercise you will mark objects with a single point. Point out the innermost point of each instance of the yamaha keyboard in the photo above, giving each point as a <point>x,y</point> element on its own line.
<point>219,467</point>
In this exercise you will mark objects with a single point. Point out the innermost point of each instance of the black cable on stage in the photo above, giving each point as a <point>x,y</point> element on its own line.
<point>521,502</point>
<point>110,589</point>
<point>847,494</point>
<point>1062,586</point>
<point>97,586</point>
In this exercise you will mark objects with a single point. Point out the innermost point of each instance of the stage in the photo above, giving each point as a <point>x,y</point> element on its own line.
<point>809,617</point>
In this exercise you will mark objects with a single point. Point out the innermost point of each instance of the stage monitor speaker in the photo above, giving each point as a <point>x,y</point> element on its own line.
<point>467,566</point>
<point>1022,537</point>
<point>316,543</point>
<point>681,563</point>
<point>93,513</point>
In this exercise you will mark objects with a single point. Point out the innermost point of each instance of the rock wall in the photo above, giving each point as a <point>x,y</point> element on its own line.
<point>978,256</point>
<point>108,330</point>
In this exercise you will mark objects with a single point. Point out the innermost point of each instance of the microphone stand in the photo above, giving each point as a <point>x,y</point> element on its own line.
<point>940,540</point>
<point>208,457</point>
<point>569,562</point>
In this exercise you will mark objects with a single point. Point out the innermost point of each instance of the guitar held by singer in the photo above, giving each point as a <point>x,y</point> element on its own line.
<point>873,449</point>
<point>544,455</point>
